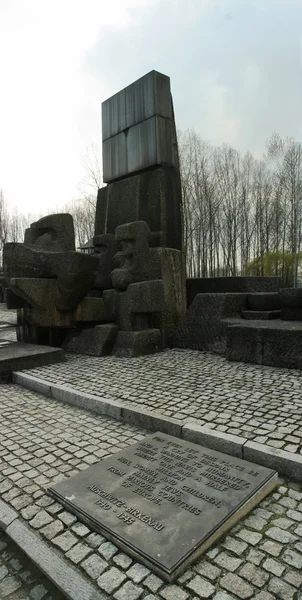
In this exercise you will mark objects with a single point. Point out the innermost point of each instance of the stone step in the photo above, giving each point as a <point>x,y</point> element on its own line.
<point>17,356</point>
<point>269,342</point>
<point>263,301</point>
<point>260,315</point>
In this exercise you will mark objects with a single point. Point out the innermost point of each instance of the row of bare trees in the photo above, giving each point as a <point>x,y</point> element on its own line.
<point>242,216</point>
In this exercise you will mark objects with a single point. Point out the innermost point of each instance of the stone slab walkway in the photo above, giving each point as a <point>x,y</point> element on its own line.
<point>259,403</point>
<point>19,578</point>
<point>42,441</point>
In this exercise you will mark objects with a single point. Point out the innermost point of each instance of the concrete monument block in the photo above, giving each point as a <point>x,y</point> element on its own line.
<point>93,341</point>
<point>137,343</point>
<point>144,145</point>
<point>148,96</point>
<point>152,196</point>
<point>75,273</point>
<point>134,262</point>
<point>205,323</point>
<point>53,231</point>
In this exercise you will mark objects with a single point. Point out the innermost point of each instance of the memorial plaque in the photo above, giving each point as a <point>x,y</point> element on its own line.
<point>164,500</point>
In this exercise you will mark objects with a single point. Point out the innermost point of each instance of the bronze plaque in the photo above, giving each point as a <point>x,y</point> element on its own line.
<point>165,500</point>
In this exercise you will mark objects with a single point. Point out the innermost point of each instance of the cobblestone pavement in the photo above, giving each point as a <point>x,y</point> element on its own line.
<point>19,578</point>
<point>42,441</point>
<point>256,402</point>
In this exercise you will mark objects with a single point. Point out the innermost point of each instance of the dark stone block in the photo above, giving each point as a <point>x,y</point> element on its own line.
<point>205,322</point>
<point>263,301</point>
<point>291,314</point>
<point>18,356</point>
<point>164,500</point>
<point>96,341</point>
<point>260,315</point>
<point>105,247</point>
<point>13,301</point>
<point>291,297</point>
<point>55,232</point>
<point>137,343</point>
<point>224,285</point>
<point>283,347</point>
<point>244,344</point>
<point>75,273</point>
<point>153,196</point>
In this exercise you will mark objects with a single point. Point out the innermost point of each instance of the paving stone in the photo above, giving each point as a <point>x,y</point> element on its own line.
<point>138,572</point>
<point>294,578</point>
<point>251,537</point>
<point>128,591</point>
<point>273,566</point>
<point>173,592</point>
<point>51,530</point>
<point>271,547</point>
<point>42,518</point>
<point>153,583</point>
<point>8,586</point>
<point>107,550</point>
<point>201,586</point>
<point>78,553</point>
<point>234,545</point>
<point>284,537</point>
<point>122,560</point>
<point>94,540</point>
<point>254,522</point>
<point>227,561</point>
<point>38,592</point>
<point>292,558</point>
<point>264,596</point>
<point>94,566</point>
<point>67,518</point>
<point>3,571</point>
<point>237,586</point>
<point>208,570</point>
<point>111,580</point>
<point>65,541</point>
<point>80,529</point>
<point>222,595</point>
<point>254,574</point>
<point>255,556</point>
<point>281,588</point>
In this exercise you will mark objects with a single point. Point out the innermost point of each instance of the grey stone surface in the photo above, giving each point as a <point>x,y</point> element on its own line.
<point>124,201</point>
<point>145,98</point>
<point>224,285</point>
<point>93,341</point>
<point>204,326</point>
<point>53,231</point>
<point>74,272</point>
<point>18,356</point>
<point>137,343</point>
<point>260,315</point>
<point>275,459</point>
<point>263,301</point>
<point>291,297</point>
<point>138,127</point>
<point>244,344</point>
<point>144,145</point>
<point>217,440</point>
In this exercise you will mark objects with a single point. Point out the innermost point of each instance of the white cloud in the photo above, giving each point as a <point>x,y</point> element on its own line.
<point>50,107</point>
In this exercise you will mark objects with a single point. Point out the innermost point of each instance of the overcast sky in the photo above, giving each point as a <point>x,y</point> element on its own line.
<point>235,69</point>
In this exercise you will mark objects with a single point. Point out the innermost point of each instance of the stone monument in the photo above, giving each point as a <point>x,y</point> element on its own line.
<point>128,297</point>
